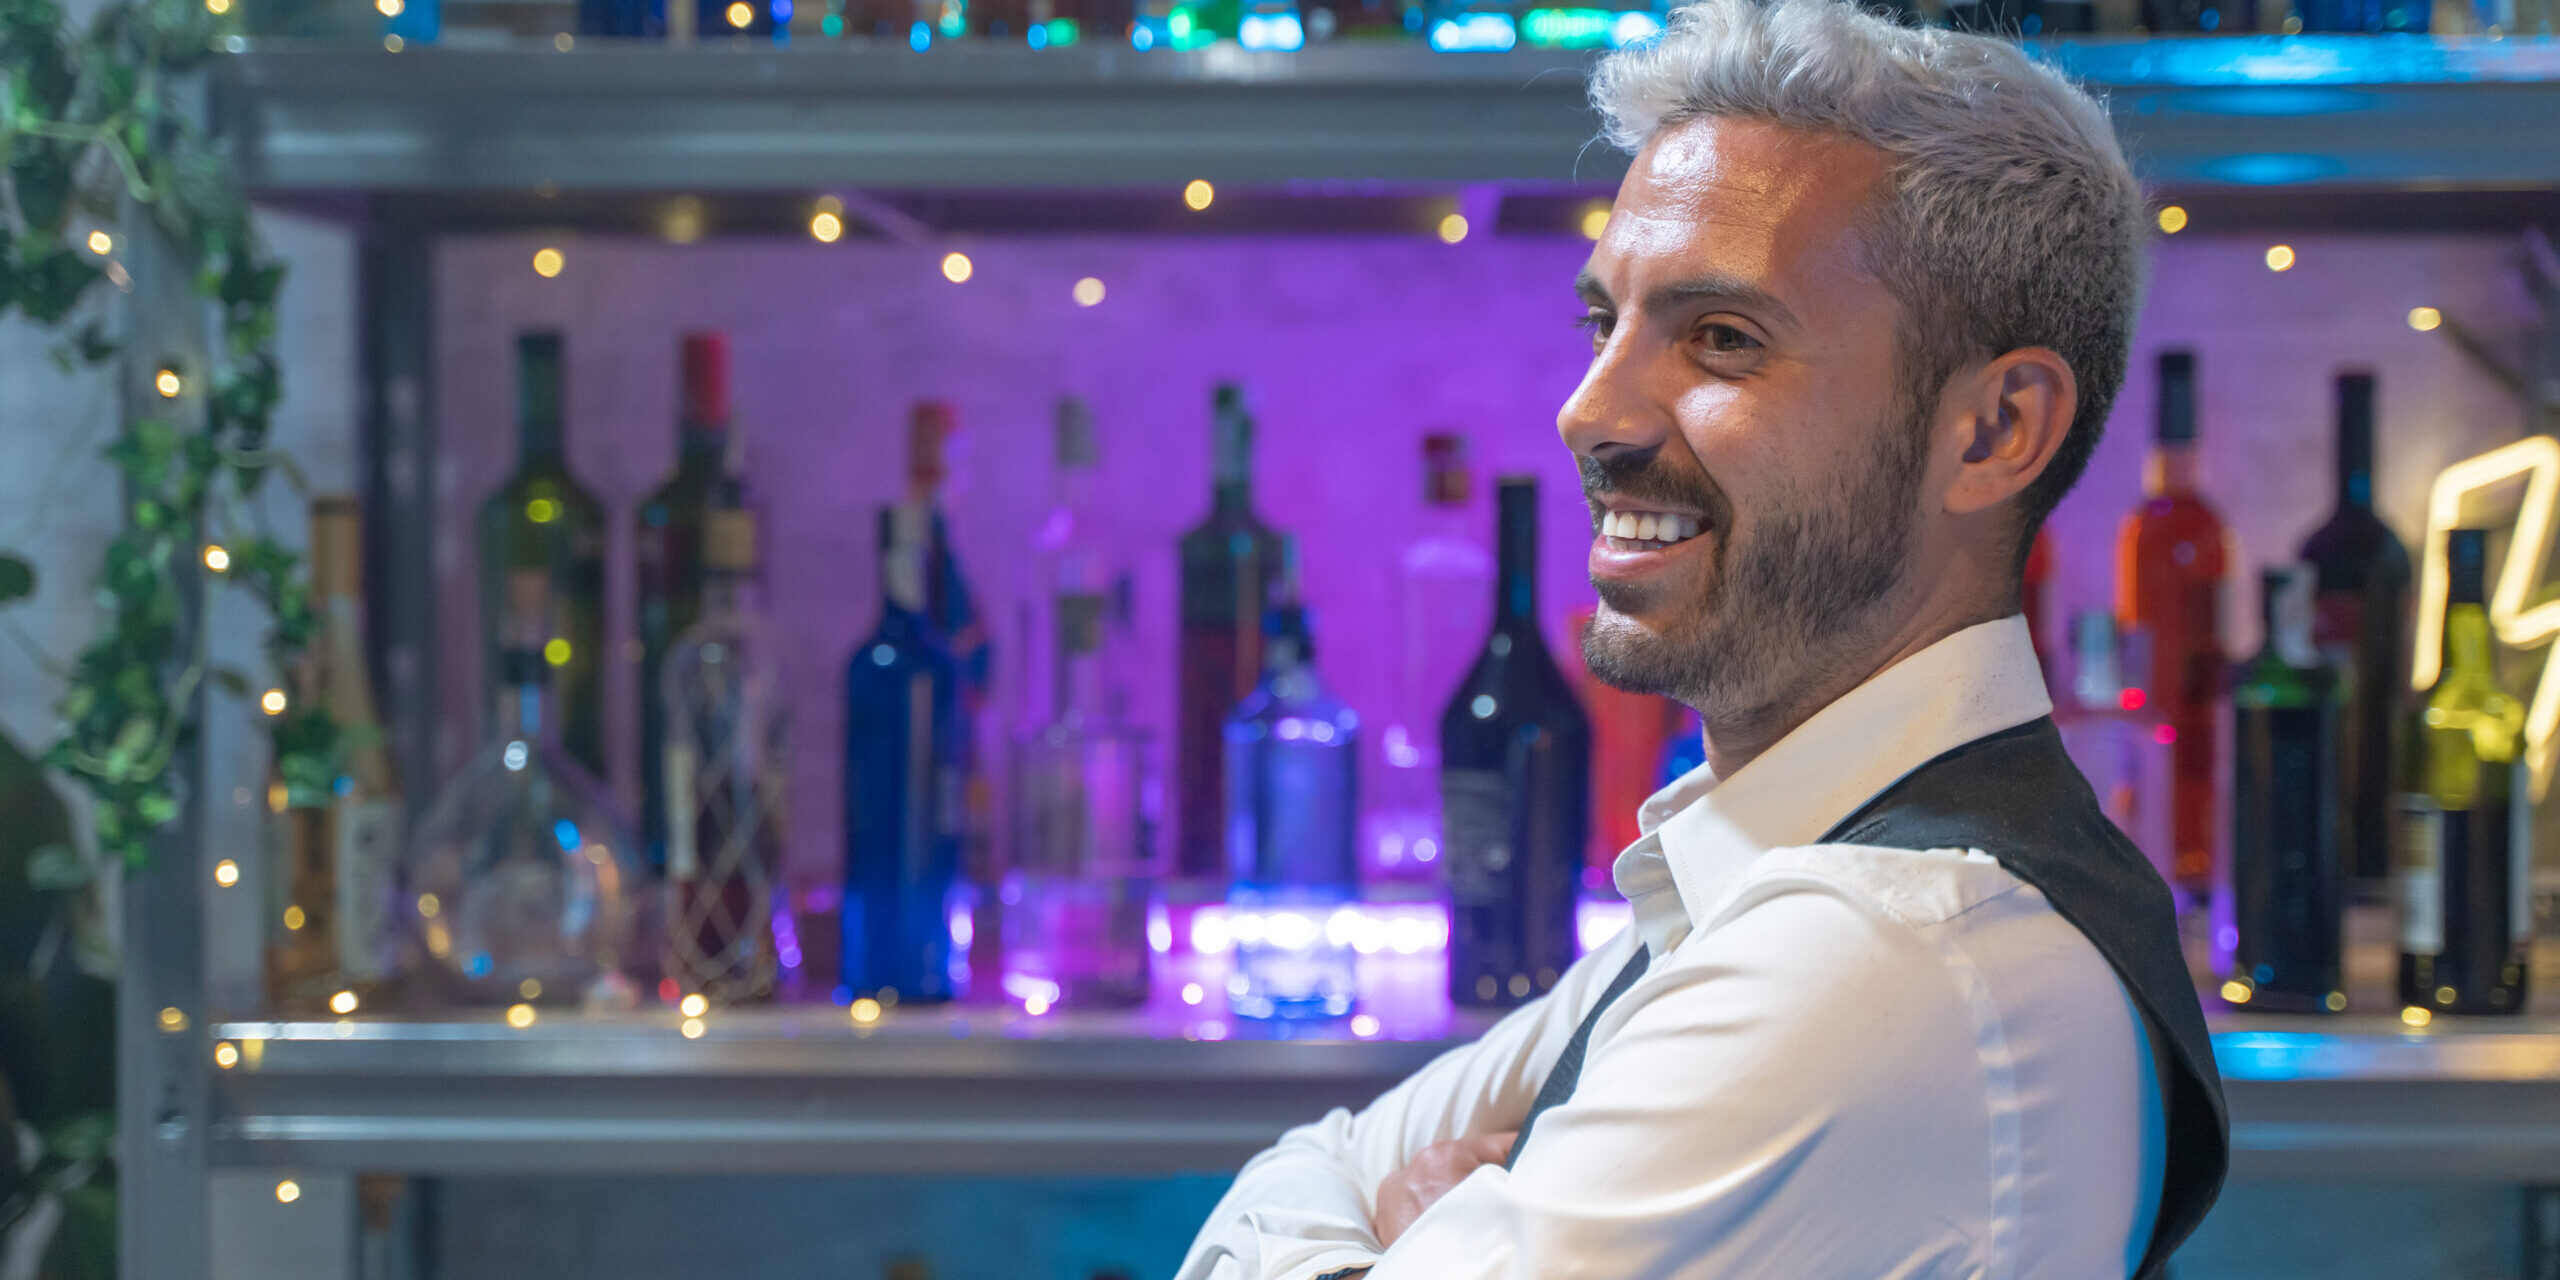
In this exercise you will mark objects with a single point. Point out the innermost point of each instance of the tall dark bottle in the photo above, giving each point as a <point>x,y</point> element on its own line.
<point>1515,789</point>
<point>541,519</point>
<point>906,757</point>
<point>2361,624</point>
<point>2466,828</point>
<point>668,547</point>
<point>2285,873</point>
<point>1228,562</point>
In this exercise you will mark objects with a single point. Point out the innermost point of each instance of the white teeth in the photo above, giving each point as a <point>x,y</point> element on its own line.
<point>1649,527</point>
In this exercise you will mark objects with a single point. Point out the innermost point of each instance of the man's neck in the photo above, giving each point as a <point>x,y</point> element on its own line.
<point>1737,736</point>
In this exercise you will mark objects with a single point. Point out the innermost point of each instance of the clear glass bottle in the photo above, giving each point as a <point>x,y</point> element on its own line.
<point>333,944</point>
<point>1293,804</point>
<point>523,882</point>
<point>1074,902</point>
<point>727,765</point>
<point>1443,579</point>
<point>2287,885</point>
<point>2115,735</point>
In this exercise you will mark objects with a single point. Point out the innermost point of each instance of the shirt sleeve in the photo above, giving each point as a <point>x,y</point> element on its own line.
<point>1796,1093</point>
<point>1303,1209</point>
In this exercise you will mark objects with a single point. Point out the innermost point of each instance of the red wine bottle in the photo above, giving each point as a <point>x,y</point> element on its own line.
<point>1515,789</point>
<point>2361,624</point>
<point>1228,562</point>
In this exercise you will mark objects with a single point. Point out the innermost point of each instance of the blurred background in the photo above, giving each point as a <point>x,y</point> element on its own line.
<point>668,638</point>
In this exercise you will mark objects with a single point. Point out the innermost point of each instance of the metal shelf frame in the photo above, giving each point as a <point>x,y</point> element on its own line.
<point>992,1092</point>
<point>435,141</point>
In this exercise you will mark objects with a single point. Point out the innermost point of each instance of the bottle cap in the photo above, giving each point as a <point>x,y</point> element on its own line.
<point>929,431</point>
<point>1446,481</point>
<point>2177,397</point>
<point>2466,562</point>
<point>705,363</point>
<point>538,378</point>
<point>1075,434</point>
<point>337,546</point>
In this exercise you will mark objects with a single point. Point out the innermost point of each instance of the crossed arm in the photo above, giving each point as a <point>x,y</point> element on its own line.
<point>1739,1105</point>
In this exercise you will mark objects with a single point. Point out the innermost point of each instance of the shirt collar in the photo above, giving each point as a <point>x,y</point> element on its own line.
<point>1701,833</point>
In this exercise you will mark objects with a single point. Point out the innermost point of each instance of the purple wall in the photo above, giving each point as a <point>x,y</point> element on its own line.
<point>1352,348</point>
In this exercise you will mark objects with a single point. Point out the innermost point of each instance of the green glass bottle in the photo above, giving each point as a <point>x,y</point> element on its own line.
<point>2286,881</point>
<point>2466,829</point>
<point>542,519</point>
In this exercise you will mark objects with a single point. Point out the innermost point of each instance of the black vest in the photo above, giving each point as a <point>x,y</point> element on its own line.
<point>2016,796</point>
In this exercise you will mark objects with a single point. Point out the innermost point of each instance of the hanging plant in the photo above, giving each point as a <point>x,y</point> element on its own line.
<point>98,152</point>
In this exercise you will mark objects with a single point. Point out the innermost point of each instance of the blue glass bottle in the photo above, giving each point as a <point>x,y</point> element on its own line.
<point>1293,817</point>
<point>905,764</point>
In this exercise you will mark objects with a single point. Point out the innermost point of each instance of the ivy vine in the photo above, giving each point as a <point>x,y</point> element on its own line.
<point>94,132</point>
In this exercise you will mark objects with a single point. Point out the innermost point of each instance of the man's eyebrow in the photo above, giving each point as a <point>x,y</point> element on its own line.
<point>1713,286</point>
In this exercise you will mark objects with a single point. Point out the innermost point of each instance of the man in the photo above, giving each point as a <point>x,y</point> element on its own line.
<point>1897,1002</point>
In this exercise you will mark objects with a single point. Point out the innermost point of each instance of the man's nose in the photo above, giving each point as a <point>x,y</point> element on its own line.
<point>1615,407</point>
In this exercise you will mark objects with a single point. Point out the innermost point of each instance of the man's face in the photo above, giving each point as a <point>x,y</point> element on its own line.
<point>1743,383</point>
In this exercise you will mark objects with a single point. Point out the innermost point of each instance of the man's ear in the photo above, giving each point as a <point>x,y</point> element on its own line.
<point>2011,416</point>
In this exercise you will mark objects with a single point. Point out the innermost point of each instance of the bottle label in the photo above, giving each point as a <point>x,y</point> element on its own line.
<point>684,862</point>
<point>1476,825</point>
<point>2422,825</point>
<point>367,834</point>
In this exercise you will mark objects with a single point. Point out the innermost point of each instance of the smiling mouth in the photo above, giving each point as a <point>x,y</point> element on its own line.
<point>1648,530</point>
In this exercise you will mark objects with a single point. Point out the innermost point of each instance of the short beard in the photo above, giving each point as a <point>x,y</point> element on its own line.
<point>1785,606</point>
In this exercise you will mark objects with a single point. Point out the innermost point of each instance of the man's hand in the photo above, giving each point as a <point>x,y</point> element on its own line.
<point>1408,1191</point>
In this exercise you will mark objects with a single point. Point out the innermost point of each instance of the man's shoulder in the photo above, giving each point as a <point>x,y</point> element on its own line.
<point>1926,889</point>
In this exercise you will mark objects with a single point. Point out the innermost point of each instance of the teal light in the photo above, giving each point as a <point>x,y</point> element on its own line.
<point>955,19</point>
<point>1063,32</point>
<point>832,24</point>
<point>1565,28</point>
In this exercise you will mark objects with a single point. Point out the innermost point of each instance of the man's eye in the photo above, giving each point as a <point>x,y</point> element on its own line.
<point>1724,338</point>
<point>1595,323</point>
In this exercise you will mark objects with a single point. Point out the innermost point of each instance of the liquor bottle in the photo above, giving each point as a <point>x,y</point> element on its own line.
<point>1515,788</point>
<point>2466,856</point>
<point>1074,902</point>
<point>542,520</point>
<point>2115,735</point>
<point>2361,624</point>
<point>1442,579</point>
<point>906,755</point>
<point>523,883</point>
<point>952,608</point>
<point>1293,813</point>
<point>2035,579</point>
<point>2170,559</point>
<point>726,760</point>
<point>1629,734</point>
<point>340,836</point>
<point>668,546</point>
<point>1227,564</point>
<point>2286,886</point>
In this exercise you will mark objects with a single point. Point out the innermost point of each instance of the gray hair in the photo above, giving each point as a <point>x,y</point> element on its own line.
<point>2013,220</point>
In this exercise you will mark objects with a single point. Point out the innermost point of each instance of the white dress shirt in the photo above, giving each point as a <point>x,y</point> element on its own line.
<point>1843,1063</point>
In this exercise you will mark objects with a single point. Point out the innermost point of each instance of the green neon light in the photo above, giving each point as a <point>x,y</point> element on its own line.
<point>1063,32</point>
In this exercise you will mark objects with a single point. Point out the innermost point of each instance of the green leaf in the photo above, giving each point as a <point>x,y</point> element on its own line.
<point>17,578</point>
<point>57,867</point>
<point>233,682</point>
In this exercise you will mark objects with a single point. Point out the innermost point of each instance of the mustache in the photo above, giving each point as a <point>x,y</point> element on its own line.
<point>1640,475</point>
